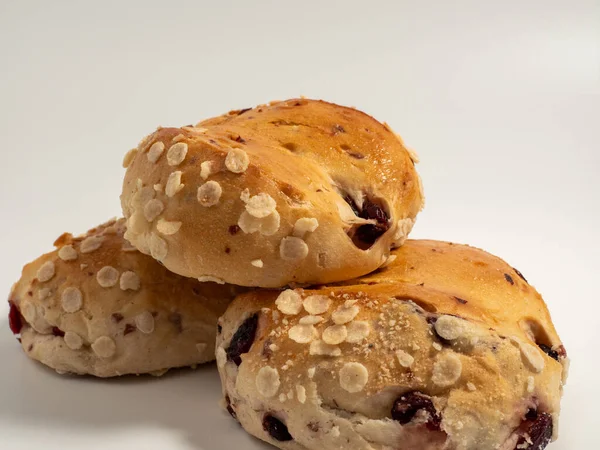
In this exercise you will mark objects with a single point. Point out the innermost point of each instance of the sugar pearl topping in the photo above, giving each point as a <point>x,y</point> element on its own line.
<point>104,347</point>
<point>302,334</point>
<point>107,276</point>
<point>358,330</point>
<point>289,302</point>
<point>267,381</point>
<point>450,327</point>
<point>404,358</point>
<point>266,226</point>
<point>335,334</point>
<point>91,243</point>
<point>129,157</point>
<point>145,322</point>
<point>319,347</point>
<point>446,370</point>
<point>67,253</point>
<point>304,226</point>
<point>261,205</point>
<point>158,247</point>
<point>316,304</point>
<point>71,299</point>
<point>129,281</point>
<point>155,151</point>
<point>176,154</point>
<point>293,249</point>
<point>353,377</point>
<point>46,272</point>
<point>209,193</point>
<point>73,340</point>
<point>237,160</point>
<point>167,228</point>
<point>153,209</point>
<point>205,169</point>
<point>174,184</point>
<point>345,313</point>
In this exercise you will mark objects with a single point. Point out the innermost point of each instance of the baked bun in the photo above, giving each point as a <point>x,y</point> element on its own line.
<point>299,191</point>
<point>98,306</point>
<point>446,348</point>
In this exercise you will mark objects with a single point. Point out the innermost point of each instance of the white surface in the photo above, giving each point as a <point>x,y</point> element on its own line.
<point>501,99</point>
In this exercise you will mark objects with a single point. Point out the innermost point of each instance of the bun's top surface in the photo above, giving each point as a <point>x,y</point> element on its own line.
<point>299,191</point>
<point>448,278</point>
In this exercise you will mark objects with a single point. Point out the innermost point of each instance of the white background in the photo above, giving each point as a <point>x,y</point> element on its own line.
<point>500,99</point>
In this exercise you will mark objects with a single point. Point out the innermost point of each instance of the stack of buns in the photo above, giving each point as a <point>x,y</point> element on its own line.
<point>274,239</point>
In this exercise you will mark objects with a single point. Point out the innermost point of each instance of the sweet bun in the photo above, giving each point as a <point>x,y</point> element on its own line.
<point>447,347</point>
<point>97,306</point>
<point>299,191</point>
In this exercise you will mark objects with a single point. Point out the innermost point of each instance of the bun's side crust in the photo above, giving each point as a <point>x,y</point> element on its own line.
<point>97,306</point>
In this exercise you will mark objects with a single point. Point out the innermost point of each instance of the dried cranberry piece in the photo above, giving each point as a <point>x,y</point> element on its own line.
<point>117,317</point>
<point>408,405</point>
<point>276,428</point>
<point>368,234</point>
<point>531,414</point>
<point>14,318</point>
<point>561,351</point>
<point>518,272</point>
<point>58,332</point>
<point>539,431</point>
<point>242,340</point>
<point>548,351</point>
<point>176,319</point>
<point>374,211</point>
<point>230,409</point>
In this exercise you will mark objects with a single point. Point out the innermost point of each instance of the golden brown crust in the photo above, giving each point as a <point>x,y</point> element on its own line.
<point>264,197</point>
<point>95,305</point>
<point>447,321</point>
